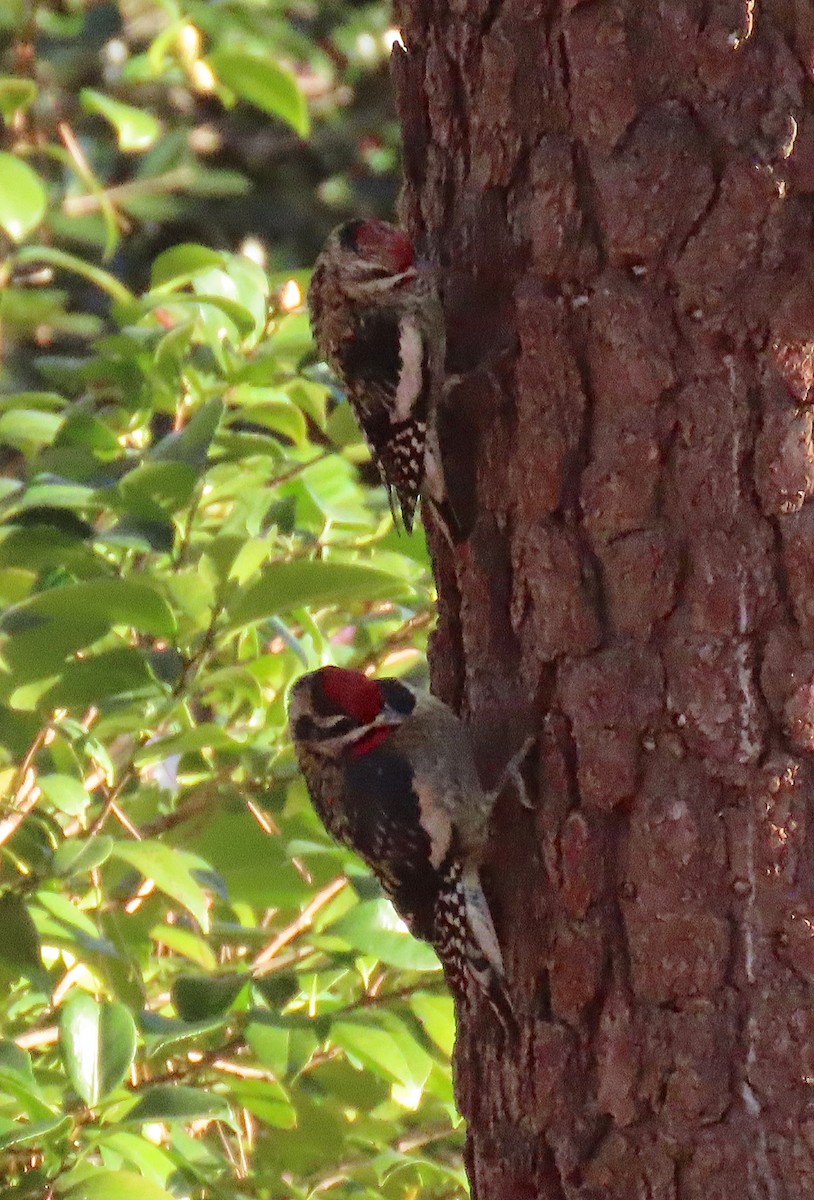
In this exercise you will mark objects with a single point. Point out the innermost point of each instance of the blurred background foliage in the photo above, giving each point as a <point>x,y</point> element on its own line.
<point>200,995</point>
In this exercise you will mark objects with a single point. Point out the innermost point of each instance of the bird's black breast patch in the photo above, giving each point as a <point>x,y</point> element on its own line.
<point>384,819</point>
<point>371,365</point>
<point>373,354</point>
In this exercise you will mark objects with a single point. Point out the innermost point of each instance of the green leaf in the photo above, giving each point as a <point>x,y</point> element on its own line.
<point>380,1049</point>
<point>135,128</point>
<point>156,488</point>
<point>63,923</point>
<point>284,586</point>
<point>31,654</point>
<point>168,1103</point>
<point>177,264</point>
<point>98,1043</point>
<point>191,444</point>
<point>240,317</point>
<point>172,871</point>
<point>171,1034</point>
<point>15,94</point>
<point>97,680</point>
<point>26,429</point>
<point>112,601</point>
<point>258,79</point>
<point>79,857</point>
<point>65,793</point>
<point>270,1044</point>
<point>101,1184</point>
<point>267,1100</point>
<point>132,1149</point>
<point>257,868</point>
<point>186,943</point>
<point>69,262</point>
<point>27,1133</point>
<point>437,1015</point>
<point>270,407</point>
<point>198,997</point>
<point>23,199</point>
<point>202,737</point>
<point>17,1080</point>
<point>20,942</point>
<point>374,927</point>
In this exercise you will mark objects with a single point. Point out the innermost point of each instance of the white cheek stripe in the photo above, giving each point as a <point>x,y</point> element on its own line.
<point>411,350</point>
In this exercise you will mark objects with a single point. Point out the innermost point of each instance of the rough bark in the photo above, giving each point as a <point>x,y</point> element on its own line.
<point>622,191</point>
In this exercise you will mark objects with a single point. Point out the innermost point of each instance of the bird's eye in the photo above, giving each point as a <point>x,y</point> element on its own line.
<point>303,729</point>
<point>347,234</point>
<point>323,729</point>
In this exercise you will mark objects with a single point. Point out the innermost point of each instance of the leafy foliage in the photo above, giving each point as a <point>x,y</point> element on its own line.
<point>201,995</point>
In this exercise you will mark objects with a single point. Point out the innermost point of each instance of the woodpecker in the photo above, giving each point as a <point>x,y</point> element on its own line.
<point>391,774</point>
<point>378,322</point>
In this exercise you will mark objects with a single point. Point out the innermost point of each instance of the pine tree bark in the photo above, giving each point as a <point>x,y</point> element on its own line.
<point>622,192</point>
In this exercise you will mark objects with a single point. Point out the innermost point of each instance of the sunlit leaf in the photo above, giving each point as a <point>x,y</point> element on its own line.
<point>173,871</point>
<point>180,262</point>
<point>135,128</point>
<point>77,858</point>
<point>17,1079</point>
<point>190,445</point>
<point>112,601</point>
<point>267,1100</point>
<point>168,1103</point>
<point>101,1184</point>
<point>20,943</point>
<point>28,1133</point>
<point>65,793</point>
<point>198,997</point>
<point>437,1014</point>
<point>261,81</point>
<point>287,585</point>
<point>15,94</point>
<point>23,199</point>
<point>374,928</point>
<point>382,1050</point>
<point>98,1041</point>
<point>186,943</point>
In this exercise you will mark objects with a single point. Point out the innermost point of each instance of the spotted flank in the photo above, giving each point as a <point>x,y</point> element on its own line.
<point>469,963</point>
<point>401,463</point>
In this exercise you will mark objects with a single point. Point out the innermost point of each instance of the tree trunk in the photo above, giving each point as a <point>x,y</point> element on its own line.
<point>623,193</point>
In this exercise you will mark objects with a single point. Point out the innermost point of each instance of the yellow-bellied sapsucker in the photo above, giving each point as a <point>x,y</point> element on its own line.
<point>378,321</point>
<point>392,775</point>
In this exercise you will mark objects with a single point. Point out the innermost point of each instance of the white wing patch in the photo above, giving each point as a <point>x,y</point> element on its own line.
<point>436,824</point>
<point>480,919</point>
<point>411,350</point>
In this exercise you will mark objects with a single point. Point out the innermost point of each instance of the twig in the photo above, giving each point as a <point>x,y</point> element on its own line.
<point>404,633</point>
<point>171,181</point>
<point>37,1039</point>
<point>299,926</point>
<point>295,470</point>
<point>24,790</point>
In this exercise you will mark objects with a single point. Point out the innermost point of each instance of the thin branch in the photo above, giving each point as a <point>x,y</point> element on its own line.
<point>24,790</point>
<point>176,180</point>
<point>38,1039</point>
<point>303,922</point>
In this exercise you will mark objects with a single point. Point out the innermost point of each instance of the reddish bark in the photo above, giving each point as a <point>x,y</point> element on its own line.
<point>624,192</point>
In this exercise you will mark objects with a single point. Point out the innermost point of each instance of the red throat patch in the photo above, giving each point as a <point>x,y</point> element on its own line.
<point>353,692</point>
<point>386,244</point>
<point>371,740</point>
